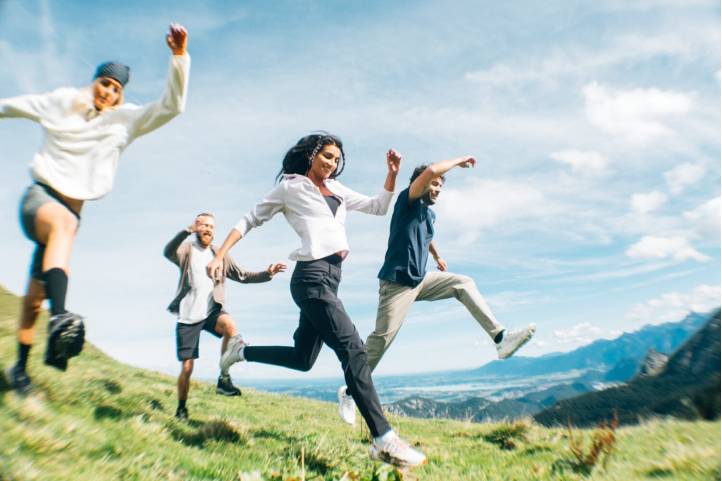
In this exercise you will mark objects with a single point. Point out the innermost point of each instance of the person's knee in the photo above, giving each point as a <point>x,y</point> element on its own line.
<point>464,283</point>
<point>187,368</point>
<point>229,328</point>
<point>305,366</point>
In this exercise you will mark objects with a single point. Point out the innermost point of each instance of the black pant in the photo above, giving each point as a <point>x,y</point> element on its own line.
<point>314,287</point>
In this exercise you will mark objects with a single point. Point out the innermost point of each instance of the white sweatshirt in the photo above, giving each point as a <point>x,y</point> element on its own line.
<point>321,233</point>
<point>80,150</point>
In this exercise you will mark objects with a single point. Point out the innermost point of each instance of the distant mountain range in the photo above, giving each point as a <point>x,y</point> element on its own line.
<point>598,365</point>
<point>482,410</point>
<point>602,355</point>
<point>688,386</point>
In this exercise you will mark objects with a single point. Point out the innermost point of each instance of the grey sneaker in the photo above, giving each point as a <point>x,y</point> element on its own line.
<point>233,354</point>
<point>225,386</point>
<point>346,406</point>
<point>66,336</point>
<point>514,340</point>
<point>397,452</point>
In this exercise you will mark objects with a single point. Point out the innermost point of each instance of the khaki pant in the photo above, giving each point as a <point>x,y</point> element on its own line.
<point>396,299</point>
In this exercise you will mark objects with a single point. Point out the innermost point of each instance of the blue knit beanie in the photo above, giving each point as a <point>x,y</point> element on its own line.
<point>116,71</point>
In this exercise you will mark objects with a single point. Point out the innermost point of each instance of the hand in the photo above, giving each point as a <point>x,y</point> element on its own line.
<point>215,269</point>
<point>274,269</point>
<point>193,227</point>
<point>466,162</point>
<point>177,38</point>
<point>393,161</point>
<point>441,264</point>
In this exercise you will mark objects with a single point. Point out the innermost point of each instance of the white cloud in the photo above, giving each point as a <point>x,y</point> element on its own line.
<point>673,306</point>
<point>683,175</point>
<point>706,218</point>
<point>579,333</point>
<point>637,115</point>
<point>484,203</point>
<point>675,247</point>
<point>685,43</point>
<point>584,162</point>
<point>644,203</point>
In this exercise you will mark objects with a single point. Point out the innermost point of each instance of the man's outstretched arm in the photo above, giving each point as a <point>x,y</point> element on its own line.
<point>421,184</point>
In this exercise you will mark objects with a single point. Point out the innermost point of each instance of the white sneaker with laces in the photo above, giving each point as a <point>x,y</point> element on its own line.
<point>346,406</point>
<point>397,452</point>
<point>233,354</point>
<point>514,340</point>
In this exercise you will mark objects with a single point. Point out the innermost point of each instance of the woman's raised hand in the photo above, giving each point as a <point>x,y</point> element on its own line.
<point>393,161</point>
<point>177,38</point>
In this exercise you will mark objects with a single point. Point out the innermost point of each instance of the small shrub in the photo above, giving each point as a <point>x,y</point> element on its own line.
<point>507,436</point>
<point>602,444</point>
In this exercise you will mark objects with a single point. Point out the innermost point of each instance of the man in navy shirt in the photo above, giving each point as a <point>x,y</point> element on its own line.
<point>404,280</point>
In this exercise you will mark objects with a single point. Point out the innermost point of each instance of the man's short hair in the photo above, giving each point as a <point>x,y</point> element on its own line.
<point>417,172</point>
<point>205,214</point>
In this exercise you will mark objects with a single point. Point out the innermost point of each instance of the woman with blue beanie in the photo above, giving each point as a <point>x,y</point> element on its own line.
<point>85,131</point>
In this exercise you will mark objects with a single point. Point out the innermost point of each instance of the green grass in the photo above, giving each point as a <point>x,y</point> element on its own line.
<point>103,420</point>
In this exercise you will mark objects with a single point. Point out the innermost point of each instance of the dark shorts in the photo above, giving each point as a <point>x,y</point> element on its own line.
<point>35,197</point>
<point>187,336</point>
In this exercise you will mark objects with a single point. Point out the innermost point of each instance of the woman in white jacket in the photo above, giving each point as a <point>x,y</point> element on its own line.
<point>315,205</point>
<point>85,131</point>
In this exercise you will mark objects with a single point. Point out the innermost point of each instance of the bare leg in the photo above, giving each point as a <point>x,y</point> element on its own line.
<point>226,328</point>
<point>55,227</point>
<point>184,379</point>
<point>31,306</point>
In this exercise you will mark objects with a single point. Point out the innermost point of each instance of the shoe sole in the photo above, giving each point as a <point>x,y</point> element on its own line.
<point>65,341</point>
<point>223,392</point>
<point>381,456</point>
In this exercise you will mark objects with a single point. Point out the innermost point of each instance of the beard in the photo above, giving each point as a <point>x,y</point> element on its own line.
<point>202,239</point>
<point>427,199</point>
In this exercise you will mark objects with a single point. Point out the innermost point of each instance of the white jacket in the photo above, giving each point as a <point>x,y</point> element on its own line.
<point>321,233</point>
<point>80,150</point>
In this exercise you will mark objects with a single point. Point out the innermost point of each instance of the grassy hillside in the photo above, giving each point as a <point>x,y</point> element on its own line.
<point>103,420</point>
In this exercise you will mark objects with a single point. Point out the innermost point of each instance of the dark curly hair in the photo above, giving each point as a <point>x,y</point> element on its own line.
<point>298,159</point>
<point>418,171</point>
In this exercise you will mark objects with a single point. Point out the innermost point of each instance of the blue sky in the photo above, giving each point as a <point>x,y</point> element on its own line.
<point>594,207</point>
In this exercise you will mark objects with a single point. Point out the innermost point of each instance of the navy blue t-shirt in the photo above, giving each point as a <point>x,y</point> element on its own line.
<point>412,229</point>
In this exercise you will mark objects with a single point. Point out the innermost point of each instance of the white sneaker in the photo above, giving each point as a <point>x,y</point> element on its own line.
<point>395,451</point>
<point>233,354</point>
<point>346,406</point>
<point>514,340</point>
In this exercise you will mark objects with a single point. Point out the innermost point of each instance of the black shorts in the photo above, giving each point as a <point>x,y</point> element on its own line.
<point>187,336</point>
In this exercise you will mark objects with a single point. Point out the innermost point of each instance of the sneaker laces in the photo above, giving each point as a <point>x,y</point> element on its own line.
<point>395,446</point>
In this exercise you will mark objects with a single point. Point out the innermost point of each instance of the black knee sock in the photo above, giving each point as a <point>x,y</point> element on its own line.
<point>56,286</point>
<point>499,337</point>
<point>23,351</point>
<point>181,404</point>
